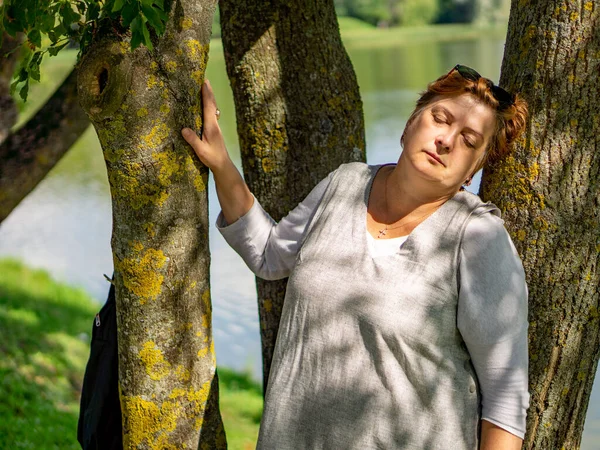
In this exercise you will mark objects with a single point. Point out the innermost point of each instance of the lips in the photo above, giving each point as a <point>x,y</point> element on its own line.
<point>436,157</point>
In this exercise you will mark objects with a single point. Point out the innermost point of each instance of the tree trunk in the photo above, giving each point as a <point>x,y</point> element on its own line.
<point>138,102</point>
<point>299,113</point>
<point>28,155</point>
<point>550,194</point>
<point>9,56</point>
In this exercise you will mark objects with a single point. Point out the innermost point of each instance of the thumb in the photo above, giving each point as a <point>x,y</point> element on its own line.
<point>189,135</point>
<point>192,138</point>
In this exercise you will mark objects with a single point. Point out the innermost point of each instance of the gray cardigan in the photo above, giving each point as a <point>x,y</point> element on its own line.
<point>362,339</point>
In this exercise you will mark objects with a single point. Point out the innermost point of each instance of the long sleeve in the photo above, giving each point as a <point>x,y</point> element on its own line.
<point>492,318</point>
<point>268,248</point>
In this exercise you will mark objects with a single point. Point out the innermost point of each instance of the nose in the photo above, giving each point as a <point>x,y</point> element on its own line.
<point>443,142</point>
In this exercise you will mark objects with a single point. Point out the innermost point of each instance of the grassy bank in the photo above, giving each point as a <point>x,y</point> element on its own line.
<point>44,346</point>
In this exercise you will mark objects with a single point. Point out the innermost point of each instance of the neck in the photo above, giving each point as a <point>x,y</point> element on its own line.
<point>410,194</point>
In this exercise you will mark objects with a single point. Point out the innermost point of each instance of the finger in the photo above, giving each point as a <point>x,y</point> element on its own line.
<point>209,104</point>
<point>192,138</point>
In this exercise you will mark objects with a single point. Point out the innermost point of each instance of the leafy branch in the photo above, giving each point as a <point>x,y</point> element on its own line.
<point>51,25</point>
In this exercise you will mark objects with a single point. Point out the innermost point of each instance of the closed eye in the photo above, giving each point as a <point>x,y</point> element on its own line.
<point>439,119</point>
<point>469,143</point>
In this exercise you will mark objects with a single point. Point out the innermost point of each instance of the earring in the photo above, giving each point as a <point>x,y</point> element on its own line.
<point>468,181</point>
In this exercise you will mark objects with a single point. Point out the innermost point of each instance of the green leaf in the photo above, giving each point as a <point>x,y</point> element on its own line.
<point>58,32</point>
<point>53,50</point>
<point>118,5</point>
<point>35,37</point>
<point>46,22</point>
<point>160,4</point>
<point>31,9</point>
<point>93,12</point>
<point>68,15</point>
<point>33,67</point>
<point>81,7</point>
<point>34,73</point>
<point>13,86</point>
<point>20,15</point>
<point>147,40</point>
<point>11,21</point>
<point>23,75</point>
<point>154,18</point>
<point>24,91</point>
<point>129,12</point>
<point>137,35</point>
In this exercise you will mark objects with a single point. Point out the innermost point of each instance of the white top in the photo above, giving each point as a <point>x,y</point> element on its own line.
<point>501,365</point>
<point>382,247</point>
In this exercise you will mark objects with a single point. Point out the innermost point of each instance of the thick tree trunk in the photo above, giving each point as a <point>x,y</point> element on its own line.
<point>138,102</point>
<point>298,109</point>
<point>9,56</point>
<point>550,194</point>
<point>28,155</point>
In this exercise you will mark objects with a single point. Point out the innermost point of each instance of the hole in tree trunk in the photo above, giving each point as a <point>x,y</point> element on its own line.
<point>102,78</point>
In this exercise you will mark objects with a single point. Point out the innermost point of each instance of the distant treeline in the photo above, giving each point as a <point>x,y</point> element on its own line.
<point>389,13</point>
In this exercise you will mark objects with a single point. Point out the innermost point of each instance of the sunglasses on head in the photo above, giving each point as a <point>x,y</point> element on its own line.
<point>504,97</point>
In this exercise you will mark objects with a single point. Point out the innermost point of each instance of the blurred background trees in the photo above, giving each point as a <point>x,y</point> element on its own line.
<point>389,13</point>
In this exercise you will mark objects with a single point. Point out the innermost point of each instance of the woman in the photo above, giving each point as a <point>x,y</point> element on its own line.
<point>405,318</point>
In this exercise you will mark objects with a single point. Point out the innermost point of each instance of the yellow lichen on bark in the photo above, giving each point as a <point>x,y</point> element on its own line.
<point>206,350</point>
<point>182,373</point>
<point>141,272</point>
<point>196,49</point>
<point>159,132</point>
<point>268,165</point>
<point>171,66</point>
<point>145,423</point>
<point>169,166</point>
<point>150,229</point>
<point>520,187</point>
<point>152,82</point>
<point>154,362</point>
<point>197,76</point>
<point>186,23</point>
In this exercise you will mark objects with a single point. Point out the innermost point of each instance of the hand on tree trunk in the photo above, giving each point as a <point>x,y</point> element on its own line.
<point>233,193</point>
<point>211,147</point>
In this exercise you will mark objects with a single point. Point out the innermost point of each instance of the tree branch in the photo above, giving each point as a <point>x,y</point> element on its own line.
<point>28,154</point>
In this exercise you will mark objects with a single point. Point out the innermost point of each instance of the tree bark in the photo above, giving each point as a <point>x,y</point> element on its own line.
<point>28,154</point>
<point>9,56</point>
<point>549,192</point>
<point>138,102</point>
<point>298,108</point>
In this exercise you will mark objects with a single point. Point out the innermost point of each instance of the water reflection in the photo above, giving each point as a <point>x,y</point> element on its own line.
<point>64,226</point>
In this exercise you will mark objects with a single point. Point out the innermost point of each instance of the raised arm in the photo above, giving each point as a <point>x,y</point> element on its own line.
<point>268,248</point>
<point>233,193</point>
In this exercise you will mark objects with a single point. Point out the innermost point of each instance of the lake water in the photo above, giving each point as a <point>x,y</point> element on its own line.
<point>64,226</point>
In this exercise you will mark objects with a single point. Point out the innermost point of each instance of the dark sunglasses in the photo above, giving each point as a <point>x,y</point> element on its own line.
<point>505,98</point>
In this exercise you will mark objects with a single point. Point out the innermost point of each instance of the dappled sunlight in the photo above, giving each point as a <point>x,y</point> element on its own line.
<point>376,356</point>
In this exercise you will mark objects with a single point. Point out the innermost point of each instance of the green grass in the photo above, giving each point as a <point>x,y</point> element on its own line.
<point>356,36</point>
<point>44,346</point>
<point>350,24</point>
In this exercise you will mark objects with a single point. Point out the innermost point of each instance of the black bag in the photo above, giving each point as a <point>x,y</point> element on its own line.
<point>99,426</point>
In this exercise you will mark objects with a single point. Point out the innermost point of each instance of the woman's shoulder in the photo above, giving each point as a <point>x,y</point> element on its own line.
<point>476,205</point>
<point>487,231</point>
<point>352,172</point>
<point>354,167</point>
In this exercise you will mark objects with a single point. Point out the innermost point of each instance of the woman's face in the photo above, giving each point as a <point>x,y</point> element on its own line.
<point>447,141</point>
